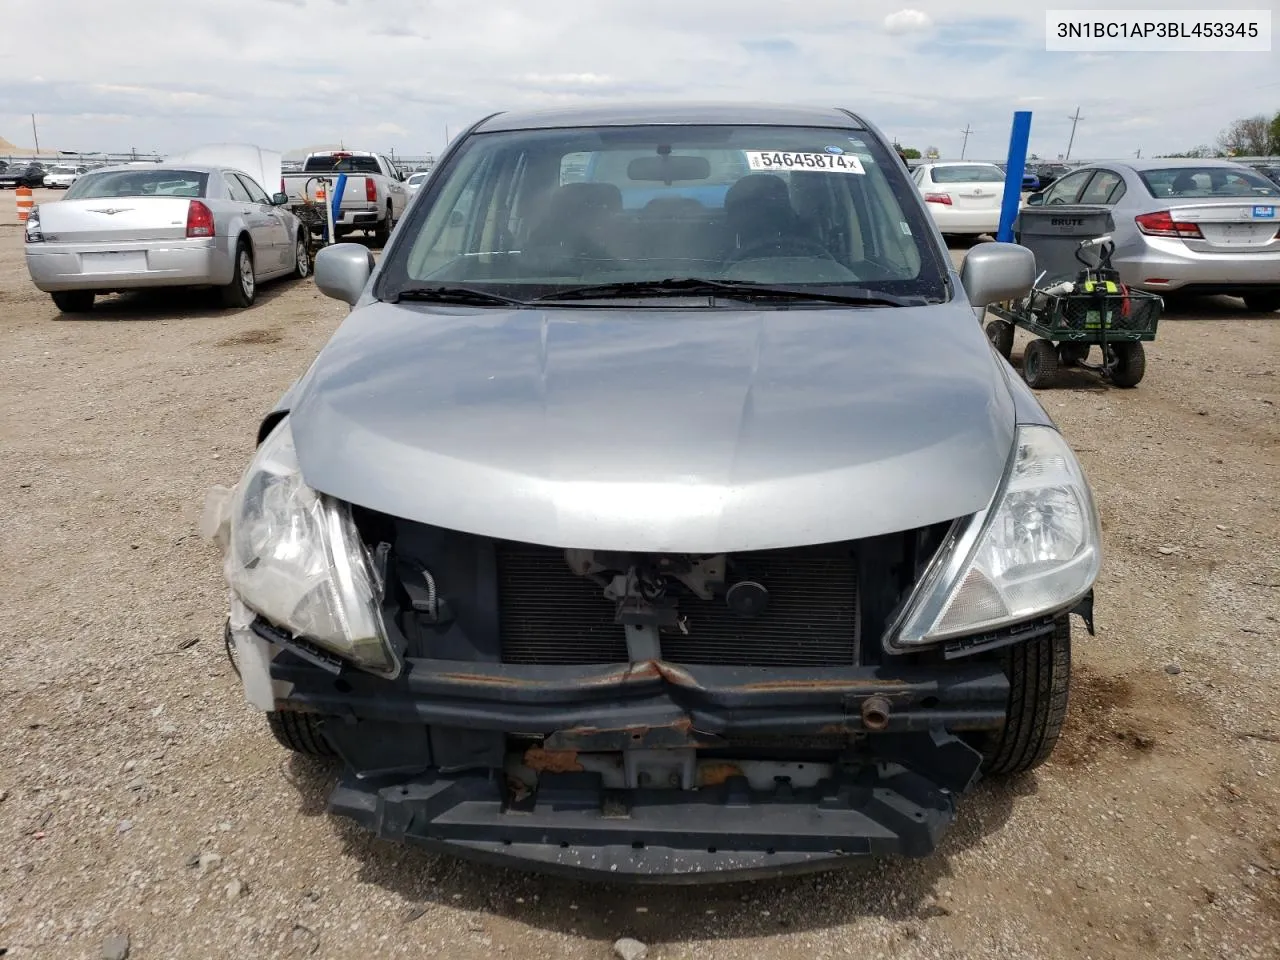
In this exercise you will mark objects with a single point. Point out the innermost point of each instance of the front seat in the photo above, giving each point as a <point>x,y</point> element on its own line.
<point>759,212</point>
<point>576,223</point>
<point>1185,182</point>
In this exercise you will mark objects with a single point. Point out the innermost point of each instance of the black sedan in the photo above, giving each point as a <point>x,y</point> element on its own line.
<point>22,175</point>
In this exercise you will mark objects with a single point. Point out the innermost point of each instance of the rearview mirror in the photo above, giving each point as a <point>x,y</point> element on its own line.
<point>342,271</point>
<point>668,169</point>
<point>1035,200</point>
<point>995,272</point>
<point>279,199</point>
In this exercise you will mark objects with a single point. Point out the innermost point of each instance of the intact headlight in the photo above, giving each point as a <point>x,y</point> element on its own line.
<point>1036,549</point>
<point>295,557</point>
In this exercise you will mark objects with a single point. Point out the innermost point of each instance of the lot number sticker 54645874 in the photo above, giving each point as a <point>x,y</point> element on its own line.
<point>835,163</point>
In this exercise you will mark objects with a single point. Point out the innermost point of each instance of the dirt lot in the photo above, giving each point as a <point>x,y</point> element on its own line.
<point>129,751</point>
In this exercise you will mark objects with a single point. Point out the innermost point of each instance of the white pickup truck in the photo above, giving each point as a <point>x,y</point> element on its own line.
<point>373,199</point>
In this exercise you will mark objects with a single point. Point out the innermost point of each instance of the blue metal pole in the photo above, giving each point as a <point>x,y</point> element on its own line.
<point>337,197</point>
<point>1014,170</point>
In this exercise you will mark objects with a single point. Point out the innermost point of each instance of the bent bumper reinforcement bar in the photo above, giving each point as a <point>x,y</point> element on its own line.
<point>572,826</point>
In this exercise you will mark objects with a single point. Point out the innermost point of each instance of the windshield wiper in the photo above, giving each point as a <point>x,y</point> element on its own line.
<point>728,289</point>
<point>467,296</point>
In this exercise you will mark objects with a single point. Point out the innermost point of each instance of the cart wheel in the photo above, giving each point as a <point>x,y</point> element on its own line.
<point>1039,364</point>
<point>1000,333</point>
<point>1128,363</point>
<point>1072,354</point>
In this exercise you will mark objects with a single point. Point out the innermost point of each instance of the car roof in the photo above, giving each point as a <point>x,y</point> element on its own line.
<point>193,167</point>
<point>674,113</point>
<point>1167,163</point>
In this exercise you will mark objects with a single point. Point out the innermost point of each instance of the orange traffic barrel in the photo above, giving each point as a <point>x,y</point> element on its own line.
<point>25,202</point>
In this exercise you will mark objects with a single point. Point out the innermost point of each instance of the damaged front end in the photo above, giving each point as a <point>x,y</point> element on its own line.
<point>643,716</point>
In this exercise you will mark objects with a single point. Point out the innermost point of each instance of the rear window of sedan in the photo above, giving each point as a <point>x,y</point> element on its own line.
<point>139,183</point>
<point>968,173</point>
<point>1193,182</point>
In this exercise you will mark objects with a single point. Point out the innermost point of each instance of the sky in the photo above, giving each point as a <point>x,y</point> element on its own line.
<point>402,75</point>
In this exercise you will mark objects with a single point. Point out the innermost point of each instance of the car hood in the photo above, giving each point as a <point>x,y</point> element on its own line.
<point>263,165</point>
<point>658,429</point>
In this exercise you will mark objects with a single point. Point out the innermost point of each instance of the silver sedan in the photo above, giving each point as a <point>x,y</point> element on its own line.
<point>163,225</point>
<point>1185,226</point>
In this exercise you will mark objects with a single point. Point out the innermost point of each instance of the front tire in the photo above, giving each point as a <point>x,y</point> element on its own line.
<point>1039,364</point>
<point>242,289</point>
<point>1129,363</point>
<point>1000,333</point>
<point>300,732</point>
<point>1039,673</point>
<point>1262,302</point>
<point>73,301</point>
<point>301,258</point>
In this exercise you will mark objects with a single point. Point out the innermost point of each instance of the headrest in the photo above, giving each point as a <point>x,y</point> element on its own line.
<point>588,196</point>
<point>757,188</point>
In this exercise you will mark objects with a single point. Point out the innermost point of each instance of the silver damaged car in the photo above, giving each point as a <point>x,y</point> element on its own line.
<point>660,512</point>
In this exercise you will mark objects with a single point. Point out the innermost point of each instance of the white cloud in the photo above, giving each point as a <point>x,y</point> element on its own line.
<point>283,76</point>
<point>907,21</point>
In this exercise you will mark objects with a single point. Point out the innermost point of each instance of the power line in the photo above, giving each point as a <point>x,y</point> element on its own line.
<point>1074,120</point>
<point>964,146</point>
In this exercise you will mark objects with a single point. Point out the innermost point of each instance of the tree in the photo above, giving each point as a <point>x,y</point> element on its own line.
<point>1195,153</point>
<point>1274,131</point>
<point>911,153</point>
<point>1248,137</point>
<point>931,153</point>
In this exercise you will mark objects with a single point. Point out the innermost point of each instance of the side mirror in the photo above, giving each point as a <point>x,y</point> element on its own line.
<point>342,271</point>
<point>991,273</point>
<point>1035,200</point>
<point>279,199</point>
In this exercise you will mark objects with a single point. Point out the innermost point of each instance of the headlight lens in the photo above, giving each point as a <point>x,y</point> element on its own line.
<point>1037,549</point>
<point>296,558</point>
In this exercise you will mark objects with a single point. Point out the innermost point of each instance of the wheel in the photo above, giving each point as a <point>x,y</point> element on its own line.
<point>73,301</point>
<point>1000,333</point>
<point>1072,354</point>
<point>1129,363</point>
<point>301,258</point>
<point>300,732</point>
<point>1039,673</point>
<point>383,232</point>
<point>1039,364</point>
<point>1262,302</point>
<point>240,291</point>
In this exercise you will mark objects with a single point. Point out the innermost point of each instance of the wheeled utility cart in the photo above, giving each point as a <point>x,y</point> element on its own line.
<point>1077,304</point>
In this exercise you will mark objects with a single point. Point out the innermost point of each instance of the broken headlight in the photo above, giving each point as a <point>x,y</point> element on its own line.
<point>295,557</point>
<point>1035,550</point>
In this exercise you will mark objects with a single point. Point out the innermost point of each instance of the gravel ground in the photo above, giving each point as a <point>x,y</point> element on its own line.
<point>142,798</point>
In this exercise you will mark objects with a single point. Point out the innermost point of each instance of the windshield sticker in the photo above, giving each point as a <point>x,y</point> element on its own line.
<point>906,227</point>
<point>835,163</point>
<point>836,150</point>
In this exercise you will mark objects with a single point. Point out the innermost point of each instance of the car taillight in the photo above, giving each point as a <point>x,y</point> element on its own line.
<point>944,198</point>
<point>1162,224</point>
<point>199,220</point>
<point>370,190</point>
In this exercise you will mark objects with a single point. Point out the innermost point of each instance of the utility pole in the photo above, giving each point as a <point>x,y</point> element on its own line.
<point>1138,155</point>
<point>1074,120</point>
<point>35,135</point>
<point>965,146</point>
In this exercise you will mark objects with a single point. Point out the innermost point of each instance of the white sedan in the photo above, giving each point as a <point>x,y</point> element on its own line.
<point>963,196</point>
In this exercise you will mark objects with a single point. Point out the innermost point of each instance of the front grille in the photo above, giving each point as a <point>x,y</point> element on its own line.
<point>549,615</point>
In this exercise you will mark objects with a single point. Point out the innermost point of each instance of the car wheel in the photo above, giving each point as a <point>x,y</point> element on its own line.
<point>1000,333</point>
<point>1128,363</point>
<point>73,301</point>
<point>1039,673</point>
<point>300,732</point>
<point>301,258</point>
<point>1072,354</point>
<point>1262,302</point>
<point>243,286</point>
<point>1039,364</point>
<point>383,232</point>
